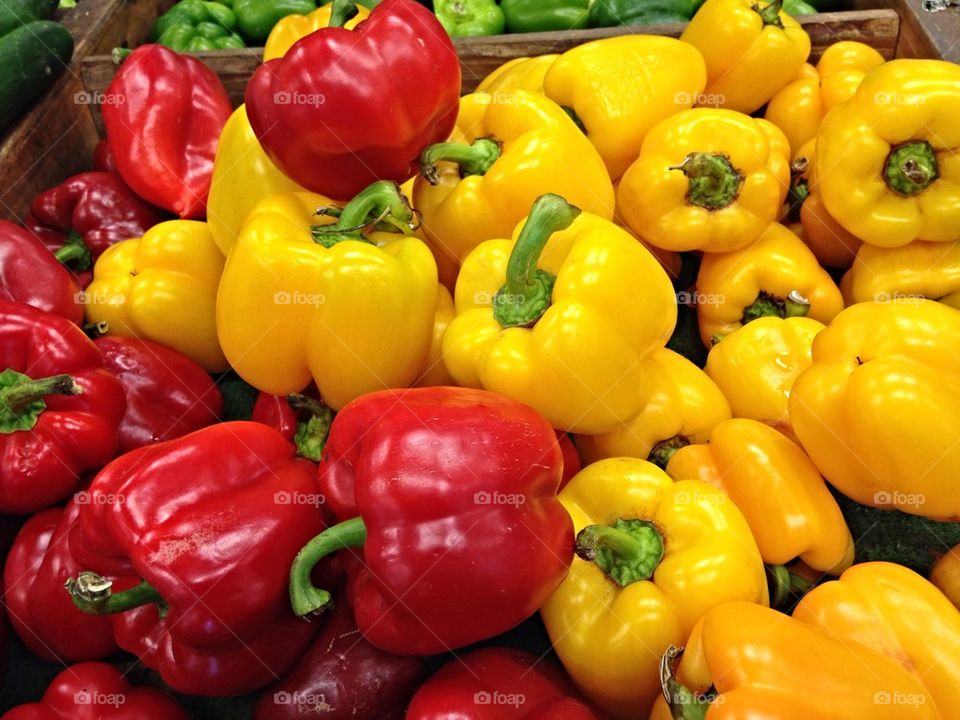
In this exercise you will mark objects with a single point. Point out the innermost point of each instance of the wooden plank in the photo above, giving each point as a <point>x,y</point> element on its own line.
<point>923,34</point>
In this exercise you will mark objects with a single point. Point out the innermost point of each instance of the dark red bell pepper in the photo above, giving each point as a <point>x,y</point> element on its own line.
<point>97,691</point>
<point>301,419</point>
<point>30,274</point>
<point>344,108</point>
<point>208,525</point>
<point>168,394</point>
<point>571,458</point>
<point>461,531</point>
<point>59,408</point>
<point>163,123</point>
<point>103,157</point>
<point>499,684</point>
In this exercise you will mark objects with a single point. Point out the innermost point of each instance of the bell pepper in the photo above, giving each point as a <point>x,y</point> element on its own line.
<point>468,18</point>
<point>329,131</point>
<point>744,660</point>
<point>798,8</point>
<point>103,160</point>
<point>59,408</point>
<point>618,88</point>
<point>524,73</point>
<point>508,149</point>
<point>884,163</point>
<point>711,180</point>
<point>756,366</point>
<point>301,419</point>
<point>798,108</point>
<point>556,319</point>
<point>897,613</point>
<point>168,394</point>
<point>292,28</point>
<point>498,683</point>
<point>303,295</point>
<point>638,584</point>
<point>256,18</point>
<point>527,16</point>
<point>193,25</point>
<point>29,274</point>
<point>776,276</point>
<point>163,124</point>
<point>571,458</point>
<point>899,360</point>
<point>904,274</point>
<point>611,13</point>
<point>435,371</point>
<point>199,522</point>
<point>416,535</point>
<point>343,677</point>
<point>683,407</point>
<point>752,51</point>
<point>97,691</point>
<point>945,574</point>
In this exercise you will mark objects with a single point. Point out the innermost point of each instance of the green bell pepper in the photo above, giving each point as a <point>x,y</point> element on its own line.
<point>256,18</point>
<point>524,16</point>
<point>798,7</point>
<point>464,18</point>
<point>608,13</point>
<point>193,25</point>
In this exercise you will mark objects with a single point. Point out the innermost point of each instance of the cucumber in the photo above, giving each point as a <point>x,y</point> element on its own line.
<point>32,57</point>
<point>14,13</point>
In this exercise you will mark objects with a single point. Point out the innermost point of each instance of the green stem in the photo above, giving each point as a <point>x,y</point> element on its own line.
<point>97,329</point>
<point>120,54</point>
<point>661,453</point>
<point>377,203</point>
<point>526,294</point>
<point>785,587</point>
<point>770,14</point>
<point>22,399</point>
<point>911,168</point>
<point>311,434</point>
<point>627,551</point>
<point>767,305</point>
<point>683,703</point>
<point>93,594</point>
<point>305,597</point>
<point>572,114</point>
<point>714,182</point>
<point>341,12</point>
<point>74,253</point>
<point>474,159</point>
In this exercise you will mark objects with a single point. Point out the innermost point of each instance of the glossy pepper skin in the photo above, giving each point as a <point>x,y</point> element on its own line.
<point>619,88</point>
<point>751,50</point>
<point>711,180</point>
<point>195,25</point>
<point>236,504</point>
<point>97,691</point>
<point>898,360</point>
<point>528,312</point>
<point>652,534</point>
<point>507,150</point>
<point>292,28</point>
<point>884,158</point>
<point>435,371</point>
<point>499,684</point>
<point>500,518</point>
<point>256,18</point>
<point>527,16</point>
<point>611,13</point>
<point>524,73</point>
<point>31,275</point>
<point>162,287</point>
<point>902,274</point>
<point>777,276</point>
<point>339,148</point>
<point>945,574</point>
<point>59,408</point>
<point>468,18</point>
<point>164,132</point>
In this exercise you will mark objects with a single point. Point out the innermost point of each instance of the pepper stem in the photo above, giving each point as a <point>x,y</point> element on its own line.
<point>377,203</point>
<point>714,182</point>
<point>661,453</point>
<point>305,597</point>
<point>572,114</point>
<point>684,704</point>
<point>119,54</point>
<point>74,253</point>
<point>93,594</point>
<point>526,294</point>
<point>474,159</point>
<point>785,587</point>
<point>767,305</point>
<point>770,14</point>
<point>311,435</point>
<point>911,168</point>
<point>627,551</point>
<point>22,399</point>
<point>341,12</point>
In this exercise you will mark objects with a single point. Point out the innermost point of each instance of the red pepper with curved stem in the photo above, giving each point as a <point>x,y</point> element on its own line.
<point>59,408</point>
<point>31,275</point>
<point>301,419</point>
<point>386,90</point>
<point>163,123</point>
<point>168,394</point>
<point>207,524</point>
<point>457,514</point>
<point>97,691</point>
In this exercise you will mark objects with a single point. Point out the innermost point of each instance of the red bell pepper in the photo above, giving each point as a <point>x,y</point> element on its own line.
<point>163,124</point>
<point>103,157</point>
<point>30,274</point>
<point>208,525</point>
<point>344,108</point>
<point>571,458</point>
<point>59,408</point>
<point>168,394</point>
<point>97,691</point>
<point>303,420</point>
<point>457,514</point>
<point>499,684</point>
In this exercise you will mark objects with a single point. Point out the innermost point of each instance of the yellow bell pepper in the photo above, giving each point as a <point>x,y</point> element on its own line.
<point>752,51</point>
<point>946,575</point>
<point>508,149</point>
<point>709,180</point>
<point>756,366</point>
<point>683,406</point>
<point>654,555</point>
<point>877,410</point>
<point>886,159</point>
<point>618,88</point>
<point>798,109</point>
<point>777,276</point>
<point>788,507</point>
<point>242,176</point>
<point>293,27</point>
<point>897,613</point>
<point>435,371</point>
<point>903,274</point>
<point>162,287</point>
<point>304,299</point>
<point>561,317</point>
<point>526,73</point>
<point>746,661</point>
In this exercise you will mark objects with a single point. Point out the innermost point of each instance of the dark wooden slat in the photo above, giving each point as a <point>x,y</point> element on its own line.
<point>923,34</point>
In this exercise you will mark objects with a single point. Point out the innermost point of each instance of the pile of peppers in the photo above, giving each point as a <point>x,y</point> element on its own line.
<point>593,394</point>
